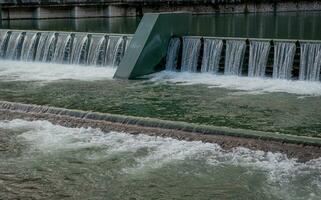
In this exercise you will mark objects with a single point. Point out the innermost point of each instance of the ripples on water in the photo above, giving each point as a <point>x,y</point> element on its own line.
<point>42,160</point>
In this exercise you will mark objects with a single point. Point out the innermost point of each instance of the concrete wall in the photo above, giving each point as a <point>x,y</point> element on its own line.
<point>25,9</point>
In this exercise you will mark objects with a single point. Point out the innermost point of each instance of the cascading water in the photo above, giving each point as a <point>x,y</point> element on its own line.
<point>212,55</point>
<point>235,51</point>
<point>61,47</point>
<point>259,53</point>
<point>115,51</point>
<point>191,51</point>
<point>13,49</point>
<point>4,40</point>
<point>283,59</point>
<point>172,54</point>
<point>128,40</point>
<point>310,61</point>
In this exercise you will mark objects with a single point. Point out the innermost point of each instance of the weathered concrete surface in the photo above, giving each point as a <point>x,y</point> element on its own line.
<point>24,9</point>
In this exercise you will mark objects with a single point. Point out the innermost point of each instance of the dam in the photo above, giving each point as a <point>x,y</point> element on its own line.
<point>115,100</point>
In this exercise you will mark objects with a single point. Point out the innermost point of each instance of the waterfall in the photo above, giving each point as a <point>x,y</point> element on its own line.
<point>114,51</point>
<point>259,54</point>
<point>172,54</point>
<point>191,51</point>
<point>29,46</point>
<point>97,50</point>
<point>128,40</point>
<point>235,50</point>
<point>14,46</point>
<point>61,47</point>
<point>80,49</point>
<point>310,61</point>
<point>43,45</point>
<point>283,59</point>
<point>4,40</point>
<point>212,55</point>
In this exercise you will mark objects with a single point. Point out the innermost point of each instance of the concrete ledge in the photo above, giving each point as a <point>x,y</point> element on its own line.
<point>163,124</point>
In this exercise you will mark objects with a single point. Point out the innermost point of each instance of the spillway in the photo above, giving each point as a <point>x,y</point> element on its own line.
<point>95,49</point>
<point>278,59</point>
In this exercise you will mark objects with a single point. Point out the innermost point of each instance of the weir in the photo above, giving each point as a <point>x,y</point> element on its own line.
<point>159,43</point>
<point>62,47</point>
<point>288,59</point>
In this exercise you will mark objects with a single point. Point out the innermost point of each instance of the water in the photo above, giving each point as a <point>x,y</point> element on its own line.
<point>259,53</point>
<point>191,51</point>
<point>211,55</point>
<point>235,50</point>
<point>114,51</point>
<point>310,61</point>
<point>49,72</point>
<point>286,25</point>
<point>60,47</point>
<point>283,59</point>
<point>42,160</point>
<point>172,54</point>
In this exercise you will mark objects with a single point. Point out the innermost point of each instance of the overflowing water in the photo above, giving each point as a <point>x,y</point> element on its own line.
<point>42,160</point>
<point>191,51</point>
<point>310,61</point>
<point>259,54</point>
<point>212,55</point>
<point>235,50</point>
<point>48,72</point>
<point>283,59</point>
<point>172,54</point>
<point>62,47</point>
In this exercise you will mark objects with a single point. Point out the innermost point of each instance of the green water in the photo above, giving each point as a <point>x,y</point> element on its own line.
<point>276,112</point>
<point>288,25</point>
<point>39,160</point>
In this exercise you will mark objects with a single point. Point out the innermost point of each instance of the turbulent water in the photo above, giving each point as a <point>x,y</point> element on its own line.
<point>47,72</point>
<point>251,85</point>
<point>41,160</point>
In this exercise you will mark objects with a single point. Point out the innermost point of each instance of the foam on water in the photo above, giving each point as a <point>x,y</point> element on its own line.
<point>45,137</point>
<point>281,173</point>
<point>247,84</point>
<point>33,71</point>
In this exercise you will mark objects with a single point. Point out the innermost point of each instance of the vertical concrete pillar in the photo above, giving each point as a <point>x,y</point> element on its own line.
<point>54,12</point>
<point>150,42</point>
<point>120,11</point>
<point>88,11</point>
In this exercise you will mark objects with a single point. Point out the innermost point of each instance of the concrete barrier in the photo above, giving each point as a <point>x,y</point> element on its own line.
<point>149,44</point>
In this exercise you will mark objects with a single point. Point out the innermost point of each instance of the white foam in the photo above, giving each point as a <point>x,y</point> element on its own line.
<point>33,71</point>
<point>282,174</point>
<point>247,84</point>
